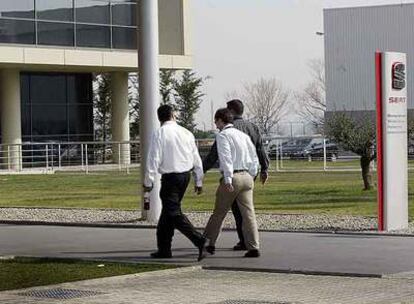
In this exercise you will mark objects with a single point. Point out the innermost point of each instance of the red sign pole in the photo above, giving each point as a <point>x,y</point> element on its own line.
<point>380,167</point>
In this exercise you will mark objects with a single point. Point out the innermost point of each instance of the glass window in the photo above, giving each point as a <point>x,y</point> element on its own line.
<point>124,14</point>
<point>49,120</point>
<point>124,38</point>
<point>79,88</point>
<point>93,36</point>
<point>59,10</point>
<point>52,33</point>
<point>92,11</point>
<point>25,106</point>
<point>80,119</point>
<point>48,89</point>
<point>17,31</point>
<point>17,9</point>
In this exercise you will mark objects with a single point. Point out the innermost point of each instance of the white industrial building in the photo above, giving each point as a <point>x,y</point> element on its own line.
<point>352,35</point>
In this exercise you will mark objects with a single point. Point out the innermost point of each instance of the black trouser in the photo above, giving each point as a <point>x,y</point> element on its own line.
<point>173,186</point>
<point>239,220</point>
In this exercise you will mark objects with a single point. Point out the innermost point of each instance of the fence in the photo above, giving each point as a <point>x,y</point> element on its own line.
<point>286,154</point>
<point>69,156</point>
<point>309,154</point>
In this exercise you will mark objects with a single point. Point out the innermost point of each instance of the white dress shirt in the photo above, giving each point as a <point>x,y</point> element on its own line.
<point>173,150</point>
<point>236,152</point>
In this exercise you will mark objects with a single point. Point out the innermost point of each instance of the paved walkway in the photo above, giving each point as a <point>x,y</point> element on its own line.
<point>364,255</point>
<point>197,286</point>
<point>385,263</point>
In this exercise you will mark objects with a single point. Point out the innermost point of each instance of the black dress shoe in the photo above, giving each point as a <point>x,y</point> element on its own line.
<point>239,247</point>
<point>211,249</point>
<point>201,254</point>
<point>253,253</point>
<point>161,255</point>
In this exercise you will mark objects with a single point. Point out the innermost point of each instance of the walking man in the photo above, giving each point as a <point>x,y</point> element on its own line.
<point>236,107</point>
<point>173,154</point>
<point>238,164</point>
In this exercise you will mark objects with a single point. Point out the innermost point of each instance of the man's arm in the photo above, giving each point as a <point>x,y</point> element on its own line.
<point>254,165</point>
<point>197,168</point>
<point>261,153</point>
<point>224,155</point>
<point>153,161</point>
<point>211,158</point>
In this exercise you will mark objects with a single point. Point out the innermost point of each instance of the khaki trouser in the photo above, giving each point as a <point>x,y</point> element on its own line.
<point>243,193</point>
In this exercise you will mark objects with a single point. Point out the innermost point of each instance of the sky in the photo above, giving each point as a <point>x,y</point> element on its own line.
<point>239,41</point>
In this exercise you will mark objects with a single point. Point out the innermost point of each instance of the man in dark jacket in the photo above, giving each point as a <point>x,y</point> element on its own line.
<point>237,109</point>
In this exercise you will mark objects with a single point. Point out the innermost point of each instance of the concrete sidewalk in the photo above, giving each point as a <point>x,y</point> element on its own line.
<point>309,253</point>
<point>367,268</point>
<point>197,286</point>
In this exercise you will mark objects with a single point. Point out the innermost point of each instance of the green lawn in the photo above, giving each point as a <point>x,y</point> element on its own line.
<point>26,272</point>
<point>287,192</point>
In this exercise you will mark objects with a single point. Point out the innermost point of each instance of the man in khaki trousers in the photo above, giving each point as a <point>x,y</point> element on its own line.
<point>239,165</point>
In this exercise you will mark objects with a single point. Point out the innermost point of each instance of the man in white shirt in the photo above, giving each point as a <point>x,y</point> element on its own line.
<point>239,165</point>
<point>174,154</point>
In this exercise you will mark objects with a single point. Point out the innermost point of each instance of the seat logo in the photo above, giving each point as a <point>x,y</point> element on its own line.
<point>398,76</point>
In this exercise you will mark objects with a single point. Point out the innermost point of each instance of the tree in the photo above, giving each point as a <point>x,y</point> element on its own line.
<point>188,98</point>
<point>356,135</point>
<point>167,86</point>
<point>134,105</point>
<point>102,106</point>
<point>312,99</point>
<point>266,102</point>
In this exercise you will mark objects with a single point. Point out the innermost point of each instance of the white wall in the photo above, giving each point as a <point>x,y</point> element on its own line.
<point>352,35</point>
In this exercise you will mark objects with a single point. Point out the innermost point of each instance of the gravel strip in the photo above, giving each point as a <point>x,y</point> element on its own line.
<point>266,221</point>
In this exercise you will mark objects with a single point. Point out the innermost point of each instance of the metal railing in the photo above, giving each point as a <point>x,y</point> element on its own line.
<point>69,156</point>
<point>309,154</point>
<point>299,154</point>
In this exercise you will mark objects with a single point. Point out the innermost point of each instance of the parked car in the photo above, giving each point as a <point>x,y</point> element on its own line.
<point>317,151</point>
<point>289,148</point>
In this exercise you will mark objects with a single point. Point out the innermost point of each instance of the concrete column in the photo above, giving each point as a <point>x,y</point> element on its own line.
<point>120,117</point>
<point>11,130</point>
<point>148,50</point>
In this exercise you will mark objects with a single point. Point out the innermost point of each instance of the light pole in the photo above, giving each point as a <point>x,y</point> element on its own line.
<point>148,50</point>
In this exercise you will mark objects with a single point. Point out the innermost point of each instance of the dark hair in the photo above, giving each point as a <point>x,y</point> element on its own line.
<point>236,106</point>
<point>225,115</point>
<point>165,113</point>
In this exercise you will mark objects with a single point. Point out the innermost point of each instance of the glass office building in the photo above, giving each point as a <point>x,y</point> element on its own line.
<point>70,23</point>
<point>49,50</point>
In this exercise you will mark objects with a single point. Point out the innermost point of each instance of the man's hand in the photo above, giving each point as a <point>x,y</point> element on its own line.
<point>263,177</point>
<point>198,190</point>
<point>228,188</point>
<point>147,189</point>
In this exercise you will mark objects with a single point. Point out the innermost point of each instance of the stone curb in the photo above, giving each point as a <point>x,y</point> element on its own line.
<point>134,226</point>
<point>298,272</point>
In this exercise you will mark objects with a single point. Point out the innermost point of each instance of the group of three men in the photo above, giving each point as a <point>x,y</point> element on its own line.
<point>173,153</point>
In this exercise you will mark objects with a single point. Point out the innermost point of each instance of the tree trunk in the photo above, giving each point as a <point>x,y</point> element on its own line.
<point>366,172</point>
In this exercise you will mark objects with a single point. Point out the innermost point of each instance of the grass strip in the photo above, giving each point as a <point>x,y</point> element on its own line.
<point>29,272</point>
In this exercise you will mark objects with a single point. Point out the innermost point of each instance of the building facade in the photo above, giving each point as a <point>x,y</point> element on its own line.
<point>352,36</point>
<point>49,50</point>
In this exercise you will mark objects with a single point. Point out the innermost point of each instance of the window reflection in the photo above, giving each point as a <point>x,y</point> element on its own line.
<point>17,9</point>
<point>52,33</point>
<point>93,36</point>
<point>92,11</point>
<point>124,14</point>
<point>17,31</point>
<point>124,38</point>
<point>94,23</point>
<point>59,10</point>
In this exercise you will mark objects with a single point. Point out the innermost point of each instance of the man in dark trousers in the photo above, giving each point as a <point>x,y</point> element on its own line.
<point>237,108</point>
<point>173,153</point>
